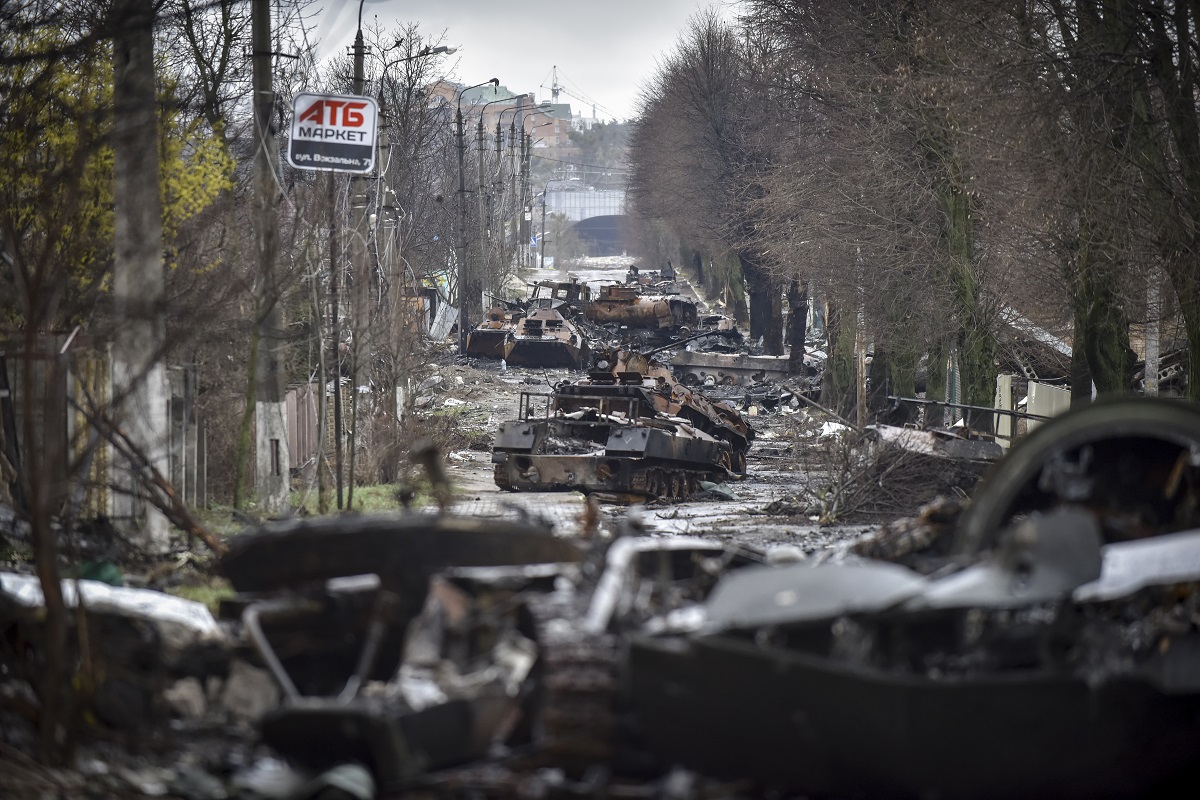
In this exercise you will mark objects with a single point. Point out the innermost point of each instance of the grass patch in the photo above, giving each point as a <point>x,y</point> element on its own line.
<point>220,520</point>
<point>367,499</point>
<point>210,593</point>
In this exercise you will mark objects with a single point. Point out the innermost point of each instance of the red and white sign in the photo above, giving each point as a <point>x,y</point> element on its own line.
<point>333,132</point>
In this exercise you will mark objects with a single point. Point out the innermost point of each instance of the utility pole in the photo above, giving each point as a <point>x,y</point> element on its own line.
<point>463,273</point>
<point>360,349</point>
<point>272,474</point>
<point>542,242</point>
<point>335,269</point>
<point>512,188</point>
<point>463,331</point>
<point>526,199</point>
<point>138,282</point>
<point>483,228</point>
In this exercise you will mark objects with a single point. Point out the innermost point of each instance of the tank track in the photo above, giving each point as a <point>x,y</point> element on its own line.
<point>654,482</point>
<point>576,717</point>
<point>500,476</point>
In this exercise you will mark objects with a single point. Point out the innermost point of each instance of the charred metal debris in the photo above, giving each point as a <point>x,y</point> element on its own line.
<point>563,324</point>
<point>627,429</point>
<point>1043,641</point>
<point>633,427</point>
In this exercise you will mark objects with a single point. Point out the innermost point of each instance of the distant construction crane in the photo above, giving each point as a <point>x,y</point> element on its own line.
<point>556,88</point>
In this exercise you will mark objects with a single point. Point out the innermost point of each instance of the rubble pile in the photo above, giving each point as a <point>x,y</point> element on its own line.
<point>880,472</point>
<point>1044,638</point>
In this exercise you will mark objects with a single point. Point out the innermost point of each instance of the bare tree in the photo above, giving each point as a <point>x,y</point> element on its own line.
<point>700,150</point>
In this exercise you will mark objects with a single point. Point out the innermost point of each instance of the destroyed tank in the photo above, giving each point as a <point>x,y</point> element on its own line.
<point>628,306</point>
<point>545,338</point>
<point>628,428</point>
<point>537,332</point>
<point>568,297</point>
<point>488,338</point>
<point>1043,643</point>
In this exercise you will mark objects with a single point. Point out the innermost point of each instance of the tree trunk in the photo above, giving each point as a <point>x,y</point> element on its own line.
<point>245,429</point>
<point>53,689</point>
<point>1081,374</point>
<point>797,327</point>
<point>976,344</point>
<point>766,306</point>
<point>1187,289</point>
<point>893,372</point>
<point>936,381</point>
<point>977,365</point>
<point>838,387</point>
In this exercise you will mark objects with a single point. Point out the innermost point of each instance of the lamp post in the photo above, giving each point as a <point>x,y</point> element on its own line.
<point>462,219</point>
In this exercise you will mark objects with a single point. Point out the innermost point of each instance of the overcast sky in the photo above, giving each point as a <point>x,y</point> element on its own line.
<point>604,49</point>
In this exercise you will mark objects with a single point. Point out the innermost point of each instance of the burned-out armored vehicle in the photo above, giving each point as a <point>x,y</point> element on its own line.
<point>537,332</point>
<point>1043,643</point>
<point>568,297</point>
<point>487,340</point>
<point>628,306</point>
<point>545,338</point>
<point>627,428</point>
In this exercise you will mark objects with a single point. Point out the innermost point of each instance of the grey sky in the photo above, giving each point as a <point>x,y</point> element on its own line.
<point>604,49</point>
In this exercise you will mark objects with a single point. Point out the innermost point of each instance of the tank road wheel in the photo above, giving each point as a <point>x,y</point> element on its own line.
<point>652,483</point>
<point>660,483</point>
<point>678,482</point>
<point>1131,461</point>
<point>500,475</point>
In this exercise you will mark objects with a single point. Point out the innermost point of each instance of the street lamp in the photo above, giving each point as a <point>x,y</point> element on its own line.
<point>462,218</point>
<point>431,51</point>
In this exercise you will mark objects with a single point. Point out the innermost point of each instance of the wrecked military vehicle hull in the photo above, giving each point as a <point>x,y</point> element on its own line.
<point>328,604</point>
<point>487,340</point>
<point>625,430</point>
<point>621,457</point>
<point>1047,644</point>
<point>861,732</point>
<point>546,339</point>
<point>626,305</point>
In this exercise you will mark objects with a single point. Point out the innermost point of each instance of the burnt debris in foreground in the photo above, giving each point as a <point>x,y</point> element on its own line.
<point>1042,642</point>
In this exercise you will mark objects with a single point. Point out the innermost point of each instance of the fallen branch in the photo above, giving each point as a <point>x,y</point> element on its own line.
<point>159,491</point>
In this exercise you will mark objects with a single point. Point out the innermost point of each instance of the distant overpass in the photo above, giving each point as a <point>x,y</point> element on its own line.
<point>598,214</point>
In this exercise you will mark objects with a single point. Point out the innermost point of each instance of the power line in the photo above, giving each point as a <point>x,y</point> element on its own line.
<point>616,171</point>
<point>584,97</point>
